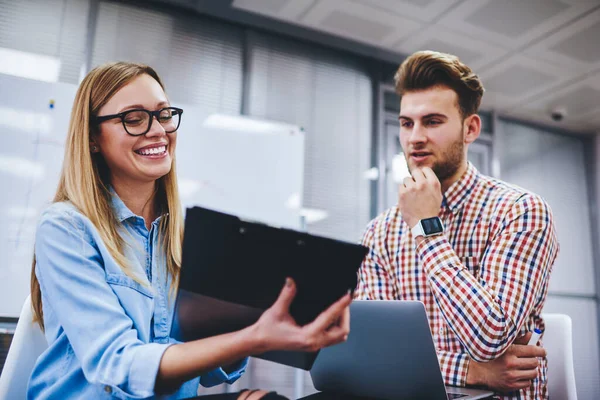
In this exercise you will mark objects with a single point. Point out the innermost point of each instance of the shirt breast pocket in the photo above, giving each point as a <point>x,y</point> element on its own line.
<point>472,264</point>
<point>136,299</point>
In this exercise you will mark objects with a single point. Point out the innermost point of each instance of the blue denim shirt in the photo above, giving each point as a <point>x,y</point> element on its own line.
<point>106,332</point>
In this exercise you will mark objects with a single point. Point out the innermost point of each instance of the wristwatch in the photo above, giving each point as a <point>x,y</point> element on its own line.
<point>428,227</point>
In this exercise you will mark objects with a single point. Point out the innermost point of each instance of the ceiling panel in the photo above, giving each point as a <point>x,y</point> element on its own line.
<point>517,78</point>
<point>594,120</point>
<point>496,16</point>
<point>532,55</point>
<point>579,99</point>
<point>359,22</point>
<point>421,10</point>
<point>518,81</point>
<point>513,23</point>
<point>576,46</point>
<point>475,53</point>
<point>361,28</point>
<point>583,126</point>
<point>582,46</point>
<point>288,10</point>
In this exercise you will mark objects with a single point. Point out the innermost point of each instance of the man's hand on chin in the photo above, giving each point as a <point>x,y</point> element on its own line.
<point>420,196</point>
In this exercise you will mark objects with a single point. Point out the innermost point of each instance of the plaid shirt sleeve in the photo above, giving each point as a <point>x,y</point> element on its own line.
<point>486,313</point>
<point>454,367</point>
<point>376,279</point>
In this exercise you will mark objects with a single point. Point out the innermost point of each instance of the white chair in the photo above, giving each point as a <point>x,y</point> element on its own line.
<point>558,342</point>
<point>27,344</point>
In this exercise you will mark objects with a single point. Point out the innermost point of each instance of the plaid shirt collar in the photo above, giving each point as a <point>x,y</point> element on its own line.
<point>458,193</point>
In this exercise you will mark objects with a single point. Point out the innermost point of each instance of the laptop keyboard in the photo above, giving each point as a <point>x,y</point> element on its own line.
<point>455,396</point>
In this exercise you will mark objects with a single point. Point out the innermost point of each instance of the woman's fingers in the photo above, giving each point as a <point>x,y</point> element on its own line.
<point>330,327</point>
<point>313,339</point>
<point>345,321</point>
<point>334,336</point>
<point>338,333</point>
<point>331,314</point>
<point>286,296</point>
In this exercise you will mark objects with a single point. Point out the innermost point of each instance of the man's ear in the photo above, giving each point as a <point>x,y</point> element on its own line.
<point>471,128</point>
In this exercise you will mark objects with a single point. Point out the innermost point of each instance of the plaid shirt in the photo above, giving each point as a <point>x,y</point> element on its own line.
<point>483,282</point>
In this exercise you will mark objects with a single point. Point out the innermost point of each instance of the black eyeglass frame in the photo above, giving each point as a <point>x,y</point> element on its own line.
<point>152,115</point>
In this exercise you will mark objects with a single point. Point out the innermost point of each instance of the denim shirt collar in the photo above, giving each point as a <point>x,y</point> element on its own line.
<point>122,212</point>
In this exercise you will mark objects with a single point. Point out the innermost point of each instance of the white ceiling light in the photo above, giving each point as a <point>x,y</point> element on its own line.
<point>29,65</point>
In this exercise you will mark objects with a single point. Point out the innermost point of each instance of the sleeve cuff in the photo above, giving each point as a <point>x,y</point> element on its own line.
<point>463,363</point>
<point>455,368</point>
<point>144,370</point>
<point>218,376</point>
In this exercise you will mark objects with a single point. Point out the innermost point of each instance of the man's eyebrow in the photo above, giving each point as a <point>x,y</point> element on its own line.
<point>431,115</point>
<point>435,115</point>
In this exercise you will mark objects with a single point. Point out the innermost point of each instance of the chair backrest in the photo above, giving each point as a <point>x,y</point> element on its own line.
<point>27,344</point>
<point>558,342</point>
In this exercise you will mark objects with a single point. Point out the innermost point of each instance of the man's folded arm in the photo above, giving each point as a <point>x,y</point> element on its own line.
<point>487,312</point>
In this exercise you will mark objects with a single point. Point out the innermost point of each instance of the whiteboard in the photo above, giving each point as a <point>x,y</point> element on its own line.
<point>33,133</point>
<point>254,175</point>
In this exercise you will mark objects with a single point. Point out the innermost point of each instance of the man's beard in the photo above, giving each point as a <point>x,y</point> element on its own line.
<point>450,161</point>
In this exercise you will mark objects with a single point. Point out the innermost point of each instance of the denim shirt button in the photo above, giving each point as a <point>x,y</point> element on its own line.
<point>107,389</point>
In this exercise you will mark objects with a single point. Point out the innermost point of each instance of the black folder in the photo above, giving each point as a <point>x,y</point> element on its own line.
<point>232,270</point>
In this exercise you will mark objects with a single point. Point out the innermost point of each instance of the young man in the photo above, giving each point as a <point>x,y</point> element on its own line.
<point>476,251</point>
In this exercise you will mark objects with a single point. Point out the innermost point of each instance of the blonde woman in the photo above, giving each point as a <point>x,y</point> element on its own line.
<point>107,259</point>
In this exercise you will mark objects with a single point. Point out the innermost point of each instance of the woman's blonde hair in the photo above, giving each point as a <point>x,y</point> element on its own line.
<point>84,179</point>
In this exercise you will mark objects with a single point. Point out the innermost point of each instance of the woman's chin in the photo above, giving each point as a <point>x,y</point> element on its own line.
<point>155,173</point>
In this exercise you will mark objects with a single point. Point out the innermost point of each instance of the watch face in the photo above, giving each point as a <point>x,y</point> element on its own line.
<point>432,226</point>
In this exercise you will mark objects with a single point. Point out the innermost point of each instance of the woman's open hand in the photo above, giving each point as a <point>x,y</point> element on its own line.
<point>277,330</point>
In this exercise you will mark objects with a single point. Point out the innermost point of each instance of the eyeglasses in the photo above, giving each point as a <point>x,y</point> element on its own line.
<point>138,122</point>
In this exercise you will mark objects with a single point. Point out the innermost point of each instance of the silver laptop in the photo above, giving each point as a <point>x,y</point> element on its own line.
<point>389,355</point>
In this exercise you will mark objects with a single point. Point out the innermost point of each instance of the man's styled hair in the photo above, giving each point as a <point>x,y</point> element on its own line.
<point>427,69</point>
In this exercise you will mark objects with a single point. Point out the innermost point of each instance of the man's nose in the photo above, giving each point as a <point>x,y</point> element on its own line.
<point>418,134</point>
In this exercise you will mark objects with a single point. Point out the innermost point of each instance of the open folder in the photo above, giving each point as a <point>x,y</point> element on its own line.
<point>232,270</point>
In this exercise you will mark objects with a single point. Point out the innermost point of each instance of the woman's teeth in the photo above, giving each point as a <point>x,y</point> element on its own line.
<point>152,151</point>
